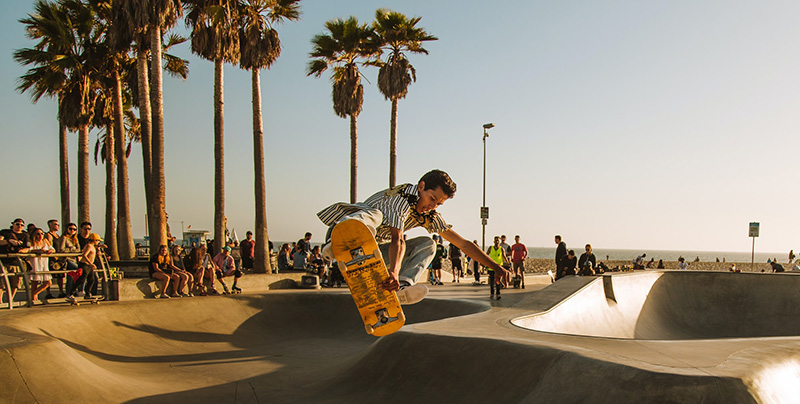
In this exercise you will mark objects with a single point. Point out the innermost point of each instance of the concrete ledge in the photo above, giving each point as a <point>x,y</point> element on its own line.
<point>144,288</point>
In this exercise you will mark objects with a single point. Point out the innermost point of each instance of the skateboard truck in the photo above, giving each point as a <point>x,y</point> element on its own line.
<point>383,319</point>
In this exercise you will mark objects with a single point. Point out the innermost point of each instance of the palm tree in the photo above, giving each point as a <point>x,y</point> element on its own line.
<point>397,34</point>
<point>145,21</point>
<point>51,59</point>
<point>260,47</point>
<point>215,37</point>
<point>104,150</point>
<point>345,45</point>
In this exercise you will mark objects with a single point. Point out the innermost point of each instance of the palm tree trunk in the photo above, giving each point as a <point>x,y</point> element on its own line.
<point>219,160</point>
<point>353,159</point>
<point>124,236</point>
<point>158,197</point>
<point>261,263</point>
<point>83,175</point>
<point>145,118</point>
<point>111,212</point>
<point>63,164</point>
<point>393,146</point>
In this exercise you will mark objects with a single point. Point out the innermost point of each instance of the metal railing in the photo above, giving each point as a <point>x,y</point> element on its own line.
<point>26,275</point>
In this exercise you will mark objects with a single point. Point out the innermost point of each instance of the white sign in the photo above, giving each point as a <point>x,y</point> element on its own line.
<point>754,229</point>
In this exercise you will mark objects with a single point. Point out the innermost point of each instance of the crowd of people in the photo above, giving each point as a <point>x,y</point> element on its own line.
<point>74,275</point>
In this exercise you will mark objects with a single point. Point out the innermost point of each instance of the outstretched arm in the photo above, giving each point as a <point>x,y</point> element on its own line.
<point>472,251</point>
<point>397,250</point>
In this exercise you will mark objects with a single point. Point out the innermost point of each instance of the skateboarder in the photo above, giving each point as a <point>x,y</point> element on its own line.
<point>391,212</point>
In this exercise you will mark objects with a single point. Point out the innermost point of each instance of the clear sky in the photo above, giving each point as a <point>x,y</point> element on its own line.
<point>648,125</point>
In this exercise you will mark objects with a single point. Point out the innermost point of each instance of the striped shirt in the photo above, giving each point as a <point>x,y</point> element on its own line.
<point>398,207</point>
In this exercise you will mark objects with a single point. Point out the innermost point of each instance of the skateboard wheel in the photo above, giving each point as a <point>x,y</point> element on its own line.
<point>369,329</point>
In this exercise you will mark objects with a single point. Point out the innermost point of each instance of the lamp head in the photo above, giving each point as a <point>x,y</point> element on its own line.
<point>488,126</point>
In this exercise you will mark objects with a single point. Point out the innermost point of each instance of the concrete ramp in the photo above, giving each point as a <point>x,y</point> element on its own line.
<point>674,305</point>
<point>458,346</point>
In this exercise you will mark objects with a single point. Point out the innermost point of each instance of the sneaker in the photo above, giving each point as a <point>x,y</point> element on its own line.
<point>410,294</point>
<point>183,295</point>
<point>87,296</point>
<point>498,297</point>
<point>165,296</point>
<point>79,294</point>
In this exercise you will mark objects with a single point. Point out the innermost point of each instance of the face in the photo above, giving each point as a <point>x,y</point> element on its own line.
<point>72,229</point>
<point>496,240</point>
<point>558,240</point>
<point>54,226</point>
<point>38,234</point>
<point>516,239</point>
<point>176,250</point>
<point>18,226</point>
<point>162,250</point>
<point>429,199</point>
<point>86,229</point>
<point>588,248</point>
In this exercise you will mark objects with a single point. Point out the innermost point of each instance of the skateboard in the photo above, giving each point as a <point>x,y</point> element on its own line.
<point>518,282</point>
<point>75,302</point>
<point>361,264</point>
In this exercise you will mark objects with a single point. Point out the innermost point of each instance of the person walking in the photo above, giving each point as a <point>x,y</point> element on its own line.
<point>498,254</point>
<point>518,254</point>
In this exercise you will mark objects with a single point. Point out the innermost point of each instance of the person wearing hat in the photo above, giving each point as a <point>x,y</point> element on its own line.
<point>86,263</point>
<point>227,267</point>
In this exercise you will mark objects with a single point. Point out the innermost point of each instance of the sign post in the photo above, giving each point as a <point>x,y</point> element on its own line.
<point>753,233</point>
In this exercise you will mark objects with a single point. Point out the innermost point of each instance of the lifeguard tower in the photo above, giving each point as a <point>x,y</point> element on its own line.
<point>194,238</point>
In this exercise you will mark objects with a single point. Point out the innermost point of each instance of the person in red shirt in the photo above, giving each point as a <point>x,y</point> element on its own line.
<point>518,254</point>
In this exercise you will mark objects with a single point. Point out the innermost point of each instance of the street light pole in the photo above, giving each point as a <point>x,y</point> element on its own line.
<point>484,208</point>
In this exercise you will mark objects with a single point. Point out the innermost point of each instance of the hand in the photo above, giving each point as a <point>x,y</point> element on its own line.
<point>391,283</point>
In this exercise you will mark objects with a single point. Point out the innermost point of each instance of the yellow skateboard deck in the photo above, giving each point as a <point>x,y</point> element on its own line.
<point>362,266</point>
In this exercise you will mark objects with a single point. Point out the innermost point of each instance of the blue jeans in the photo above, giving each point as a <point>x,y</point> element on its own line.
<point>419,250</point>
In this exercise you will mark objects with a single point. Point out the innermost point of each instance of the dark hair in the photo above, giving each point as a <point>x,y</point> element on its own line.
<point>85,223</point>
<point>558,236</point>
<point>308,234</point>
<point>439,179</point>
<point>51,221</point>
<point>248,232</point>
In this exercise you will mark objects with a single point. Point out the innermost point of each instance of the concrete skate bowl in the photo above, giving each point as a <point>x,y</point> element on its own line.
<point>272,347</point>
<point>677,305</point>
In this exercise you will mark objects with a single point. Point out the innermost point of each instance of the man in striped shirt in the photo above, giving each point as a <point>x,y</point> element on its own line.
<point>392,212</point>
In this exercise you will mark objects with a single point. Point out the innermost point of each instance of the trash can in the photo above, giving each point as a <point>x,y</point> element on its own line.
<point>113,289</point>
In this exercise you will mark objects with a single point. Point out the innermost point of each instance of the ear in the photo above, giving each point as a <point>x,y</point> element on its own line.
<point>421,186</point>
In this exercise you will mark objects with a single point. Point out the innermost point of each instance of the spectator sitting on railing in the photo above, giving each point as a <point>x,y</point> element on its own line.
<point>39,281</point>
<point>299,259</point>
<point>87,266</point>
<point>68,243</point>
<point>186,277</point>
<point>284,260</point>
<point>13,240</point>
<point>203,267</point>
<point>316,263</point>
<point>162,270</point>
<point>226,266</point>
